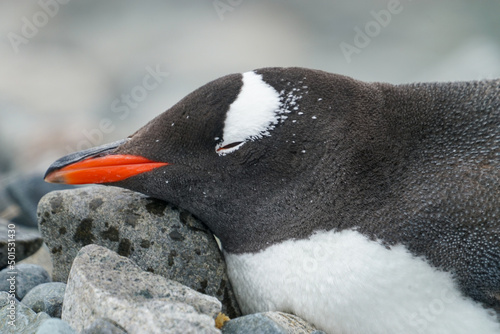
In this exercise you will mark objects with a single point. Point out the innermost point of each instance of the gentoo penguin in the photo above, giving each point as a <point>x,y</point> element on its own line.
<point>360,207</point>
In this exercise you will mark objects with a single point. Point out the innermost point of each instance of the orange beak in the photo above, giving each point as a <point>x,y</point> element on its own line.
<point>97,165</point>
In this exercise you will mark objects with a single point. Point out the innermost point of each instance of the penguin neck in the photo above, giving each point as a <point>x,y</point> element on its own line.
<point>428,110</point>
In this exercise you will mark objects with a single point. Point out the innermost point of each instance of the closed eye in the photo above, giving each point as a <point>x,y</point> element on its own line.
<point>228,146</point>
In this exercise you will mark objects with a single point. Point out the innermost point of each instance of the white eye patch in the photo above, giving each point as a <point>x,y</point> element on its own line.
<point>251,116</point>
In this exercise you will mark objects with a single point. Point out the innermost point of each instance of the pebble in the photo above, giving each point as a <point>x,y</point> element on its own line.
<point>253,323</point>
<point>26,241</point>
<point>269,323</point>
<point>27,277</point>
<point>26,320</point>
<point>4,298</point>
<point>46,297</point>
<point>103,284</point>
<point>159,238</point>
<point>55,326</point>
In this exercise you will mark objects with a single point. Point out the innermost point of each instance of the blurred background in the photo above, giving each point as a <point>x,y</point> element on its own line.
<point>75,74</point>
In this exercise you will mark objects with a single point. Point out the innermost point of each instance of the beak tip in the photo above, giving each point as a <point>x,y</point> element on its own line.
<point>52,178</point>
<point>49,176</point>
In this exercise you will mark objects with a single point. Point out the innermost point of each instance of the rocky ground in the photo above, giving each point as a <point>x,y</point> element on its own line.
<point>108,260</point>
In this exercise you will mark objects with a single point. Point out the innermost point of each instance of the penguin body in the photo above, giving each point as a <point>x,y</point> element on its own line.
<point>362,207</point>
<point>344,283</point>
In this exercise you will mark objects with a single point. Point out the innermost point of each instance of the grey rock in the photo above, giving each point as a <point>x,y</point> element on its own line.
<point>5,299</point>
<point>104,326</point>
<point>46,297</point>
<point>269,323</point>
<point>27,241</point>
<point>103,284</point>
<point>26,321</point>
<point>158,237</point>
<point>253,323</point>
<point>27,276</point>
<point>55,326</point>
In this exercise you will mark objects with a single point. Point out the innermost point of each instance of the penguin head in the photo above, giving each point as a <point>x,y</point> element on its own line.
<point>230,151</point>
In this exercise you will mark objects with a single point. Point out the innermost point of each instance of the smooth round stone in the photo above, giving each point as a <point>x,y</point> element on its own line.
<point>252,323</point>
<point>269,323</point>
<point>55,326</point>
<point>27,276</point>
<point>46,297</point>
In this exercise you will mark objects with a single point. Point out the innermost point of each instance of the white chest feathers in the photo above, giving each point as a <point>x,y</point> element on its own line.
<point>344,283</point>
